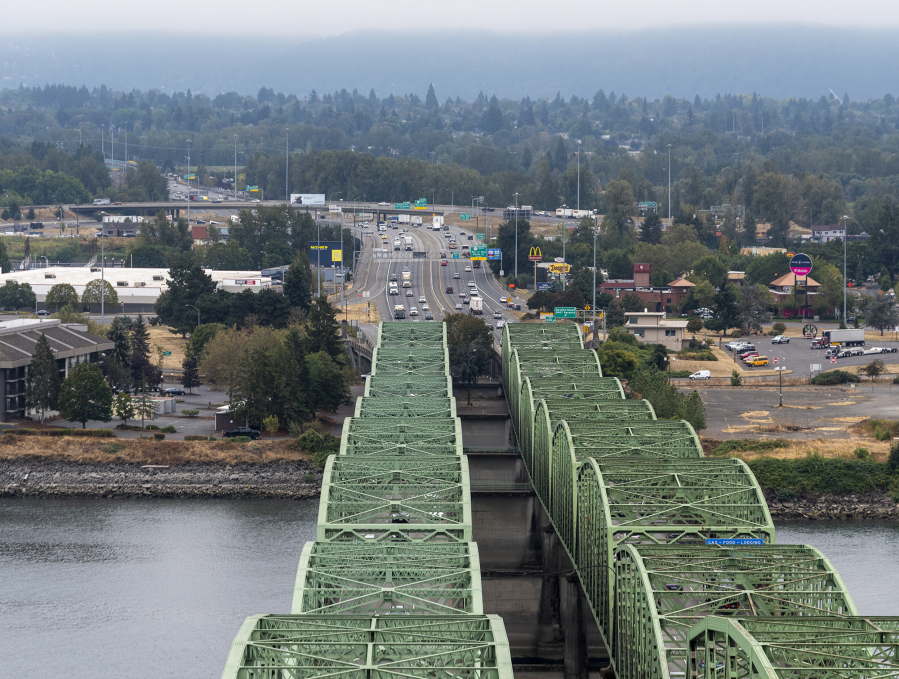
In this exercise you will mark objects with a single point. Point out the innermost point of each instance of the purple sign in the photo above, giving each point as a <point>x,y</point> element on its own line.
<point>801,264</point>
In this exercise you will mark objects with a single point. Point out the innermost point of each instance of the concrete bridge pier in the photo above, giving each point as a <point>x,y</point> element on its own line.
<point>550,637</point>
<point>573,625</point>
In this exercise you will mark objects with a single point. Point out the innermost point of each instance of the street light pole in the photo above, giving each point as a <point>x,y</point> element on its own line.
<point>516,244</point>
<point>594,282</point>
<point>286,165</point>
<point>187,174</point>
<point>235,167</point>
<point>669,186</point>
<point>578,177</point>
<point>102,275</point>
<point>845,278</point>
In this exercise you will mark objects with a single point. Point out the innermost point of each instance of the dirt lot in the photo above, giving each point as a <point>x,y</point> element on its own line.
<point>823,419</point>
<point>161,337</point>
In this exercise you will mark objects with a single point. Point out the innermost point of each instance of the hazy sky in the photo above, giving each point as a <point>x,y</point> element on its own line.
<point>333,17</point>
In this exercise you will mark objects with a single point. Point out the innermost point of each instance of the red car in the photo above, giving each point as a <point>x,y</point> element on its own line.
<point>443,262</point>
<point>748,355</point>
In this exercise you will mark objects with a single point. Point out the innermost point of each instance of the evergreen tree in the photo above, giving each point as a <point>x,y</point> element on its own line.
<point>190,374</point>
<point>328,388</point>
<point>651,231</point>
<point>84,395</point>
<point>321,330</point>
<point>298,282</point>
<point>294,374</point>
<point>431,98</point>
<point>42,381</point>
<point>142,369</point>
<point>561,155</point>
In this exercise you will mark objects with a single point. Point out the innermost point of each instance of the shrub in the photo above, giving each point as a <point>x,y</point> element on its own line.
<point>197,437</point>
<point>679,373</point>
<point>882,433</point>
<point>88,433</point>
<point>694,325</point>
<point>158,436</point>
<point>736,379</point>
<point>169,429</point>
<point>190,413</point>
<point>295,429</point>
<point>815,474</point>
<point>778,328</point>
<point>893,459</point>
<point>740,445</point>
<point>318,446</point>
<point>861,453</point>
<point>152,427</point>
<point>896,379</point>
<point>240,439</point>
<point>834,377</point>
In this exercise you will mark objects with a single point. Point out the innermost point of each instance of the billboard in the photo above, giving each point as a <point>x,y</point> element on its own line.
<point>494,255</point>
<point>307,199</point>
<point>321,252</point>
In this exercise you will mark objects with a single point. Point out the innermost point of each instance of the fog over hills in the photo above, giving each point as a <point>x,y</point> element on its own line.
<point>780,62</point>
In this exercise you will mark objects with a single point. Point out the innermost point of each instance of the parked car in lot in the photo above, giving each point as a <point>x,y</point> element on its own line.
<point>241,431</point>
<point>781,339</point>
<point>701,375</point>
<point>174,391</point>
<point>746,355</point>
<point>757,361</point>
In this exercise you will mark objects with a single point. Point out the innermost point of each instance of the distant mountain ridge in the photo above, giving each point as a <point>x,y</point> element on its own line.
<point>780,62</point>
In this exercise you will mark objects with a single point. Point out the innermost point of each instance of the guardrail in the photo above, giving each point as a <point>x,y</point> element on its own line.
<point>502,488</point>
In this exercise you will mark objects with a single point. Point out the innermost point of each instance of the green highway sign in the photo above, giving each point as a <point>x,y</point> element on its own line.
<point>166,353</point>
<point>455,255</point>
<point>402,206</point>
<point>479,236</point>
<point>465,216</point>
<point>550,319</point>
<point>565,312</point>
<point>479,252</point>
<point>421,203</point>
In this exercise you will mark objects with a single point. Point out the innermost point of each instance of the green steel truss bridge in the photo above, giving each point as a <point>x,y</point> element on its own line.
<point>391,588</point>
<point>675,552</point>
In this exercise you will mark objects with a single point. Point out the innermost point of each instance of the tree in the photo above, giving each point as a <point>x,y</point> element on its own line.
<point>726,309</point>
<point>321,329</point>
<point>767,268</point>
<point>874,369</point>
<point>123,407</point>
<point>42,380</point>
<point>144,407</point>
<point>694,325</point>
<point>15,296</point>
<point>84,395</point>
<point>189,286</point>
<point>651,231</point>
<point>881,314</point>
<point>431,98</point>
<point>470,346</point>
<point>711,269</point>
<point>200,337</point>
<point>190,374</point>
<point>60,295</point>
<point>328,388</point>
<point>753,307</point>
<point>619,363</point>
<point>143,371</point>
<point>271,425</point>
<point>96,289</point>
<point>298,282</point>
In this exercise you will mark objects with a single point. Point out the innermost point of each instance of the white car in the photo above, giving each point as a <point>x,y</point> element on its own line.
<point>421,300</point>
<point>467,269</point>
<point>413,311</point>
<point>499,324</point>
<point>459,307</point>
<point>497,314</point>
<point>382,204</point>
<point>425,307</point>
<point>701,375</point>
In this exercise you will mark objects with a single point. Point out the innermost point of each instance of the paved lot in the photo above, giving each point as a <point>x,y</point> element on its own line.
<point>798,358</point>
<point>810,412</point>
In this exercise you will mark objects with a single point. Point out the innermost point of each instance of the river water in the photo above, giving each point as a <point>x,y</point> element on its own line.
<point>159,588</point>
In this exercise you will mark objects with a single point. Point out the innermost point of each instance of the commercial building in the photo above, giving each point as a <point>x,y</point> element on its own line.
<point>652,327</point>
<point>137,289</point>
<point>71,342</point>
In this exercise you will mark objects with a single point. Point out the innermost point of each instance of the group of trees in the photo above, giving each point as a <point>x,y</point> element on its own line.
<point>287,373</point>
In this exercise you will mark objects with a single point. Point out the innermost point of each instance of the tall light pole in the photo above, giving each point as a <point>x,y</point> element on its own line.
<point>578,178</point>
<point>286,165</point>
<point>187,174</point>
<point>103,141</point>
<point>103,275</point>
<point>669,186</point>
<point>516,244</point>
<point>235,167</point>
<point>845,278</point>
<point>594,282</point>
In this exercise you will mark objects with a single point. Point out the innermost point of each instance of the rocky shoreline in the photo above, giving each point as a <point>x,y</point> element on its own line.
<point>821,507</point>
<point>50,478</point>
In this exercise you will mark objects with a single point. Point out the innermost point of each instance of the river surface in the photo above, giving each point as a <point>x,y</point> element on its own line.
<point>159,588</point>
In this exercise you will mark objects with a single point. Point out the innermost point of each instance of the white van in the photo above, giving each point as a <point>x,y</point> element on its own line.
<point>701,375</point>
<point>394,290</point>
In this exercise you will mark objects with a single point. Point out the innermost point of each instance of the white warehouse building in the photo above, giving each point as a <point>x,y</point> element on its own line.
<point>138,289</point>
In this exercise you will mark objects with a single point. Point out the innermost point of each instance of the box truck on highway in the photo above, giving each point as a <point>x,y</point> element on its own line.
<point>407,279</point>
<point>408,240</point>
<point>477,306</point>
<point>101,201</point>
<point>396,243</point>
<point>845,338</point>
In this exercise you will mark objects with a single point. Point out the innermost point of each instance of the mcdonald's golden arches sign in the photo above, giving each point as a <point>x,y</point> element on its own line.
<point>535,255</point>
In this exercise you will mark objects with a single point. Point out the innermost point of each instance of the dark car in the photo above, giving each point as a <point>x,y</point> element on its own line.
<point>449,289</point>
<point>470,238</point>
<point>174,391</point>
<point>241,431</point>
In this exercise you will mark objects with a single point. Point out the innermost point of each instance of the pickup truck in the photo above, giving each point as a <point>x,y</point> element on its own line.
<point>241,431</point>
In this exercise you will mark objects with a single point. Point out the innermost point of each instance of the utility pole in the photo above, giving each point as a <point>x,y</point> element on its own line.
<point>845,278</point>
<point>669,186</point>
<point>235,167</point>
<point>286,165</point>
<point>102,275</point>
<point>516,246</point>
<point>594,282</point>
<point>187,174</point>
<point>579,177</point>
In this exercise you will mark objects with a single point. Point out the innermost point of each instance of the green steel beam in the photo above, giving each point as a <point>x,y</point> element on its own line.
<point>538,336</point>
<point>575,441</point>
<point>420,497</point>
<point>405,406</point>
<point>408,385</point>
<point>365,647</point>
<point>388,578</point>
<point>411,334</point>
<point>644,501</point>
<point>593,389</point>
<point>662,591</point>
<point>409,361</point>
<point>417,436</point>
<point>795,648</point>
<point>542,364</point>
